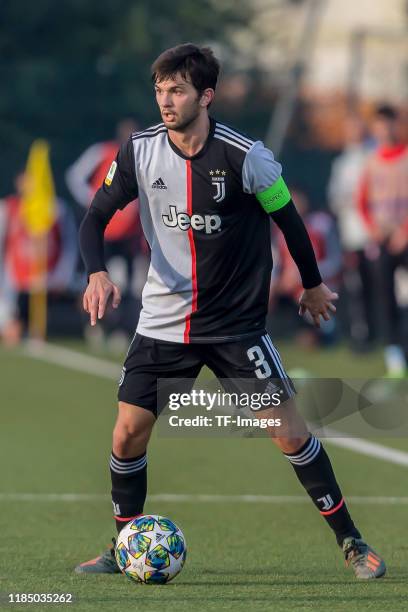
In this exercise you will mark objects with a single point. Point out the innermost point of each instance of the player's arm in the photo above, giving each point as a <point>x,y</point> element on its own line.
<point>262,177</point>
<point>316,298</point>
<point>118,189</point>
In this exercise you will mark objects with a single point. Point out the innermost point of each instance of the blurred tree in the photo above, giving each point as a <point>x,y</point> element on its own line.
<point>71,69</point>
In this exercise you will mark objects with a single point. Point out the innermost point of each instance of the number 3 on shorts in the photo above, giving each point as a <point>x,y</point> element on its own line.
<point>255,354</point>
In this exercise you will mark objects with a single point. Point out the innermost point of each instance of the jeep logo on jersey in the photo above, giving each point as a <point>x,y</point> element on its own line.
<point>219,183</point>
<point>206,223</point>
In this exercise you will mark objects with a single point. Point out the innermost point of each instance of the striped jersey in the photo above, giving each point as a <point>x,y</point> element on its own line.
<point>209,236</point>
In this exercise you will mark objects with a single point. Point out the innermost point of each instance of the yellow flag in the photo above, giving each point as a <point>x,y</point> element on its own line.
<point>38,203</point>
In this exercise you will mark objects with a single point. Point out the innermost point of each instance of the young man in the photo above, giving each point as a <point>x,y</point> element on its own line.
<point>206,193</point>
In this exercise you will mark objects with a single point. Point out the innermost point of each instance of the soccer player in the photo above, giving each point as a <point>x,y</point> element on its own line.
<point>206,193</point>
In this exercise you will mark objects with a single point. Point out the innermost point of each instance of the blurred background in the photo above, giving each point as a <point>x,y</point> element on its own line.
<point>322,82</point>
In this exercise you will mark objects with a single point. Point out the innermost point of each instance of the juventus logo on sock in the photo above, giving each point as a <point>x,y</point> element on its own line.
<point>327,502</point>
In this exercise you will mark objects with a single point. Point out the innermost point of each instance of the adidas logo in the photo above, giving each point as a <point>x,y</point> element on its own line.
<point>159,184</point>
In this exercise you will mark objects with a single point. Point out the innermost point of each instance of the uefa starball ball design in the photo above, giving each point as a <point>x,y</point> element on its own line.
<point>151,549</point>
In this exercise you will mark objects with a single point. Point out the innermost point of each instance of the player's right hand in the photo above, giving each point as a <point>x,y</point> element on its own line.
<point>97,294</point>
<point>318,302</point>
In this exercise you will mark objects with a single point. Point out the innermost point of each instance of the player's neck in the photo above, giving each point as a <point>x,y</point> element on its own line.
<point>191,140</point>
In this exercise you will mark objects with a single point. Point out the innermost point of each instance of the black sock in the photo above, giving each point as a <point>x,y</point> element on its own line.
<point>315,472</point>
<point>129,487</point>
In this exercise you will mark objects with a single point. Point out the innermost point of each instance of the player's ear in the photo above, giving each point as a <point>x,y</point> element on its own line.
<point>206,97</point>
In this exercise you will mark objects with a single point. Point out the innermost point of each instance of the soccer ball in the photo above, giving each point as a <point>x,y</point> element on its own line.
<point>151,549</point>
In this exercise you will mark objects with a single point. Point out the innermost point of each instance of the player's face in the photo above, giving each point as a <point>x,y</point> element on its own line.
<point>179,102</point>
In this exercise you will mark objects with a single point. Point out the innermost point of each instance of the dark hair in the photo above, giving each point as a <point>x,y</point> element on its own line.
<point>198,63</point>
<point>386,111</point>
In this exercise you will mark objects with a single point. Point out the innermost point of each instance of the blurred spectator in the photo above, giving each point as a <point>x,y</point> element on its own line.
<point>286,281</point>
<point>124,242</point>
<point>18,267</point>
<point>342,195</point>
<point>85,177</point>
<point>9,327</point>
<point>383,203</point>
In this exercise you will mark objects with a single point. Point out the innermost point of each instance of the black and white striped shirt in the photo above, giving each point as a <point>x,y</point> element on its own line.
<point>209,236</point>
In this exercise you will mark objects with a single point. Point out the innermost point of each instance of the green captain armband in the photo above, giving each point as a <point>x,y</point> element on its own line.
<point>274,197</point>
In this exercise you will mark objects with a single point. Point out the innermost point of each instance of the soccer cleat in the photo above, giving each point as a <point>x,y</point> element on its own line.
<point>104,564</point>
<point>366,563</point>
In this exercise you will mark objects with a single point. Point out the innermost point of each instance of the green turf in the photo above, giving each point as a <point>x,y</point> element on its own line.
<point>55,438</point>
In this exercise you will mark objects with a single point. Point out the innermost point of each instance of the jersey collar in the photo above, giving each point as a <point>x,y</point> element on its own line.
<point>202,151</point>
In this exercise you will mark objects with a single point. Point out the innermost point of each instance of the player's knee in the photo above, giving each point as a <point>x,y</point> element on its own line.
<point>125,431</point>
<point>129,437</point>
<point>289,445</point>
<point>132,430</point>
<point>124,444</point>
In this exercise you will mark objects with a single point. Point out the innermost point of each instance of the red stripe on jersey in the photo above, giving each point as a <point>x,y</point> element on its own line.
<point>193,253</point>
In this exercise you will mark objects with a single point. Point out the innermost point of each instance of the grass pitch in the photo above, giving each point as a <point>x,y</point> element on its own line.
<point>55,437</point>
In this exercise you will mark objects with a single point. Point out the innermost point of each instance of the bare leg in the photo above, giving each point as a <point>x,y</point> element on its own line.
<point>128,464</point>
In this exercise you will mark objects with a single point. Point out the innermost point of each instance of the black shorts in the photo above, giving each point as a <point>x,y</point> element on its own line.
<point>254,358</point>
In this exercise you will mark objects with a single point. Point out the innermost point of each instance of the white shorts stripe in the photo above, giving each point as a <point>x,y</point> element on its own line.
<point>279,360</point>
<point>276,364</point>
<point>130,345</point>
<point>283,376</point>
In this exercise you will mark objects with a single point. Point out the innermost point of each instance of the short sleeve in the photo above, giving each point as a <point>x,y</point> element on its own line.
<point>262,176</point>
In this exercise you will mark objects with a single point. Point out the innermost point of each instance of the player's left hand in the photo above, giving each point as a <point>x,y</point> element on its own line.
<point>318,301</point>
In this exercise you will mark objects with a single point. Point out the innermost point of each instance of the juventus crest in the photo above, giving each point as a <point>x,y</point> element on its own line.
<point>218,180</point>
